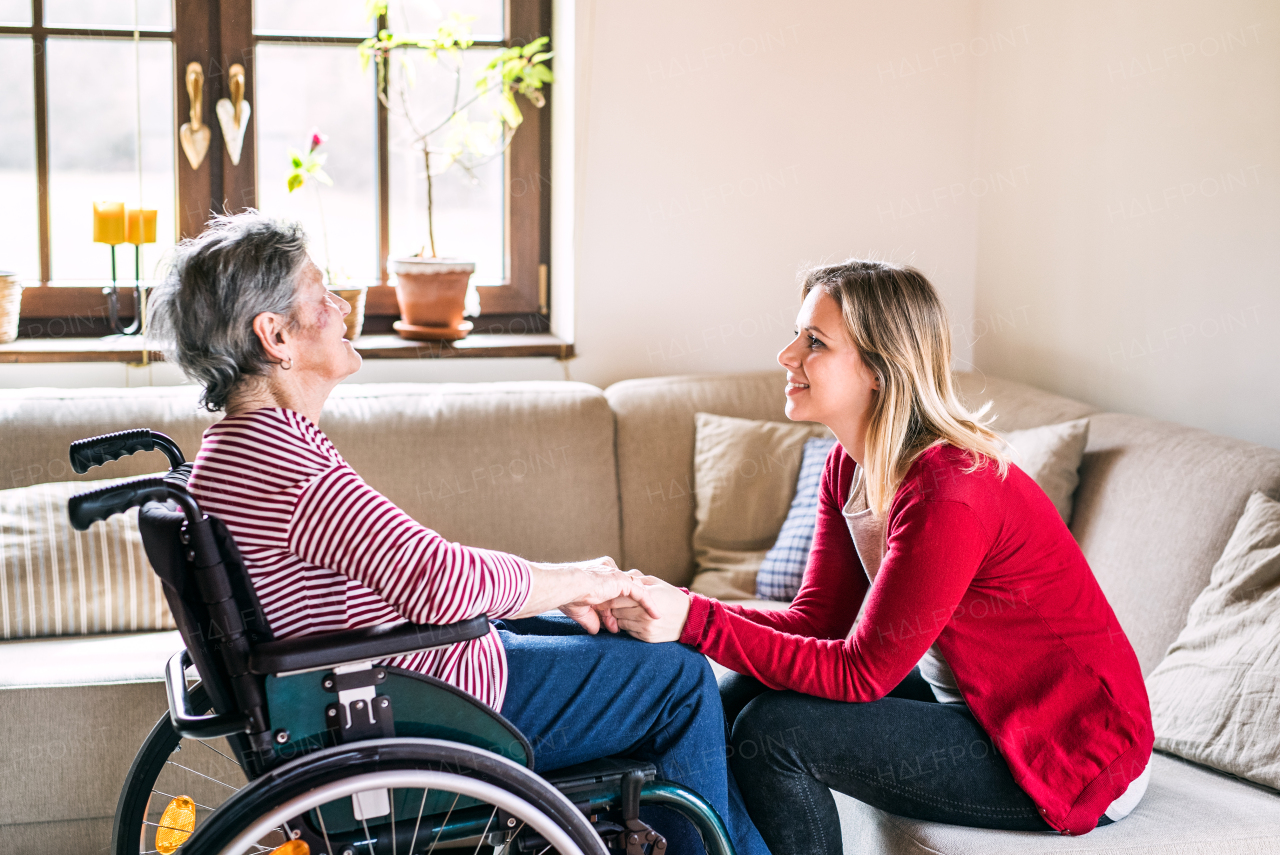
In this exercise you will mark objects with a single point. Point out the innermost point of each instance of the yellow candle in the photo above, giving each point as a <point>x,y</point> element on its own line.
<point>108,222</point>
<point>140,226</point>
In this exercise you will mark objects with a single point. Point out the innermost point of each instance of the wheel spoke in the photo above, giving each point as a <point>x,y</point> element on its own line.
<point>456,796</point>
<point>216,751</point>
<point>368,838</point>
<point>484,833</point>
<point>327,845</point>
<point>416,825</point>
<point>202,775</point>
<point>171,796</point>
<point>506,847</point>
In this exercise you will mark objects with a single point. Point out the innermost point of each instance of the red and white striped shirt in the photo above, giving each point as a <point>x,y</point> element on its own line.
<point>327,552</point>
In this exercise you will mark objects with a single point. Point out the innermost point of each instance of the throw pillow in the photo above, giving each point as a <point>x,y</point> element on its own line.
<point>744,479</point>
<point>1051,455</point>
<point>1215,699</point>
<point>783,566</point>
<point>55,580</point>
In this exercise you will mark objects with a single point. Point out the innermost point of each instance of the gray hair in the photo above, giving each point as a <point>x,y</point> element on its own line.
<point>217,283</point>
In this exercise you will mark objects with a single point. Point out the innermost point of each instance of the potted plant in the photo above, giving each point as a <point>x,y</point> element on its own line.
<point>430,289</point>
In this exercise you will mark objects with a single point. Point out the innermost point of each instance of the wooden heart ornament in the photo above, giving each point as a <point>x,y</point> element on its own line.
<point>195,134</point>
<point>233,114</point>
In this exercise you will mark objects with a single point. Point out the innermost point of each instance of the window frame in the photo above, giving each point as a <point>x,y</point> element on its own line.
<point>218,33</point>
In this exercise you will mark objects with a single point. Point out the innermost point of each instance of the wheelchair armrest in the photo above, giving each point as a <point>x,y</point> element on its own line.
<point>187,722</point>
<point>331,649</point>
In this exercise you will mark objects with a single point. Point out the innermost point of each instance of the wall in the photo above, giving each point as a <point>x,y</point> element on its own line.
<point>728,144</point>
<point>1092,186</point>
<point>1137,269</point>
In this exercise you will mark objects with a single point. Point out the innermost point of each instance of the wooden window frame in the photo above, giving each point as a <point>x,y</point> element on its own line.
<point>218,33</point>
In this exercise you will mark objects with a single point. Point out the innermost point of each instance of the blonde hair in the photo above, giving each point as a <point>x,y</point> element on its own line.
<point>899,325</point>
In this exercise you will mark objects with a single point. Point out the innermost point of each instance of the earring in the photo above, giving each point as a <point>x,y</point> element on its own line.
<point>287,364</point>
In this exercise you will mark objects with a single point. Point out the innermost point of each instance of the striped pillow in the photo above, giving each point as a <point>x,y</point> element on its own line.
<point>783,568</point>
<point>55,580</point>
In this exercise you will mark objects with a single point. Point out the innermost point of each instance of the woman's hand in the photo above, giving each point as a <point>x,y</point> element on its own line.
<point>670,603</point>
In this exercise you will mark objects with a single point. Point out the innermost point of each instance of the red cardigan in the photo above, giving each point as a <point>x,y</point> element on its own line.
<point>986,568</point>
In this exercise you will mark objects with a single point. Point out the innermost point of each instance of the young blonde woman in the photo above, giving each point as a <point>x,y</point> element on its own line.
<point>988,682</point>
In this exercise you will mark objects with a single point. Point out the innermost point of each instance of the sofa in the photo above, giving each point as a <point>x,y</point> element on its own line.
<point>564,471</point>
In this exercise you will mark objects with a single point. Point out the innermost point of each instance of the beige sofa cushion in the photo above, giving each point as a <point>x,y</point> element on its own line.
<point>523,467</point>
<point>1187,810</point>
<point>1156,504</point>
<point>1215,698</point>
<point>1051,456</point>
<point>744,477</point>
<point>656,442</point>
<point>55,580</point>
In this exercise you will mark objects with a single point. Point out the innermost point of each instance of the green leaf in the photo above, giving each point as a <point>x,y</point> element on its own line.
<point>295,181</point>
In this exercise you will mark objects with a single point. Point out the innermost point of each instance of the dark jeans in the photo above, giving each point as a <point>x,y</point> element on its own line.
<point>905,754</point>
<point>577,697</point>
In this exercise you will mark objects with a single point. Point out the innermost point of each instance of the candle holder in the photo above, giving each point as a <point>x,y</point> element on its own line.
<point>109,228</point>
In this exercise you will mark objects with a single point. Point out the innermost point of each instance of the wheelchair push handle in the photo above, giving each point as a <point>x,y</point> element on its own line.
<point>87,508</point>
<point>97,450</point>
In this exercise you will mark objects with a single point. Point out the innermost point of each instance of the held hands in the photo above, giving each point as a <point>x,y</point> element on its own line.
<point>595,586</point>
<point>664,621</point>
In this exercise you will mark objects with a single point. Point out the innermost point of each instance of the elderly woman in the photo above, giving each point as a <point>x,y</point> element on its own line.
<point>244,313</point>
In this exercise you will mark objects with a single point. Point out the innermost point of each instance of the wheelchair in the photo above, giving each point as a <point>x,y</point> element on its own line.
<point>309,745</point>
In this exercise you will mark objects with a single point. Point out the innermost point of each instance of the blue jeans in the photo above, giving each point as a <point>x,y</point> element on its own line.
<point>905,754</point>
<point>578,697</point>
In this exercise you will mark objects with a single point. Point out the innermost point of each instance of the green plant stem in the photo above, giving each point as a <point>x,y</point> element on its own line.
<point>431,229</point>
<point>324,233</point>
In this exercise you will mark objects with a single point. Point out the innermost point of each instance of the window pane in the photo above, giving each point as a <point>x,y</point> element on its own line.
<point>16,12</point>
<point>305,88</point>
<point>93,153</point>
<point>423,16</point>
<point>311,16</point>
<point>19,216</point>
<point>152,14</point>
<point>469,206</point>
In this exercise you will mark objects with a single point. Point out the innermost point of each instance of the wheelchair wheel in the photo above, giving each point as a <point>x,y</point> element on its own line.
<point>168,767</point>
<point>417,796</point>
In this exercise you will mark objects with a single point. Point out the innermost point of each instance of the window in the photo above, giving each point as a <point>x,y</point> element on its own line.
<point>92,105</point>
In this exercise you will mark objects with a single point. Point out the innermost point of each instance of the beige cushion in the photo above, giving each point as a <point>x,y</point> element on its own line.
<point>1155,507</point>
<point>1215,698</point>
<point>55,580</point>
<point>524,467</point>
<point>1051,455</point>
<point>744,476</point>
<point>1187,810</point>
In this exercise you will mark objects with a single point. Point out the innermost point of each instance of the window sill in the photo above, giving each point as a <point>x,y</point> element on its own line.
<point>118,348</point>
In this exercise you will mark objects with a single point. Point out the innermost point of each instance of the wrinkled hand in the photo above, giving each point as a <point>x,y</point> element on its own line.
<point>603,586</point>
<point>670,604</point>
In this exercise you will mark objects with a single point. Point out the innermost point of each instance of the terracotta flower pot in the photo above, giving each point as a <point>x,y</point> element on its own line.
<point>432,292</point>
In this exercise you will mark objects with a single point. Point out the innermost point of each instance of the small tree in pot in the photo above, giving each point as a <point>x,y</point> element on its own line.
<point>432,290</point>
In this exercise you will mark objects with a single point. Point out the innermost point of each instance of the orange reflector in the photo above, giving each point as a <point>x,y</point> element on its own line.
<point>176,825</point>
<point>293,847</point>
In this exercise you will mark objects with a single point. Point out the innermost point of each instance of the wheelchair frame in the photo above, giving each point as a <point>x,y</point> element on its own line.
<point>243,670</point>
